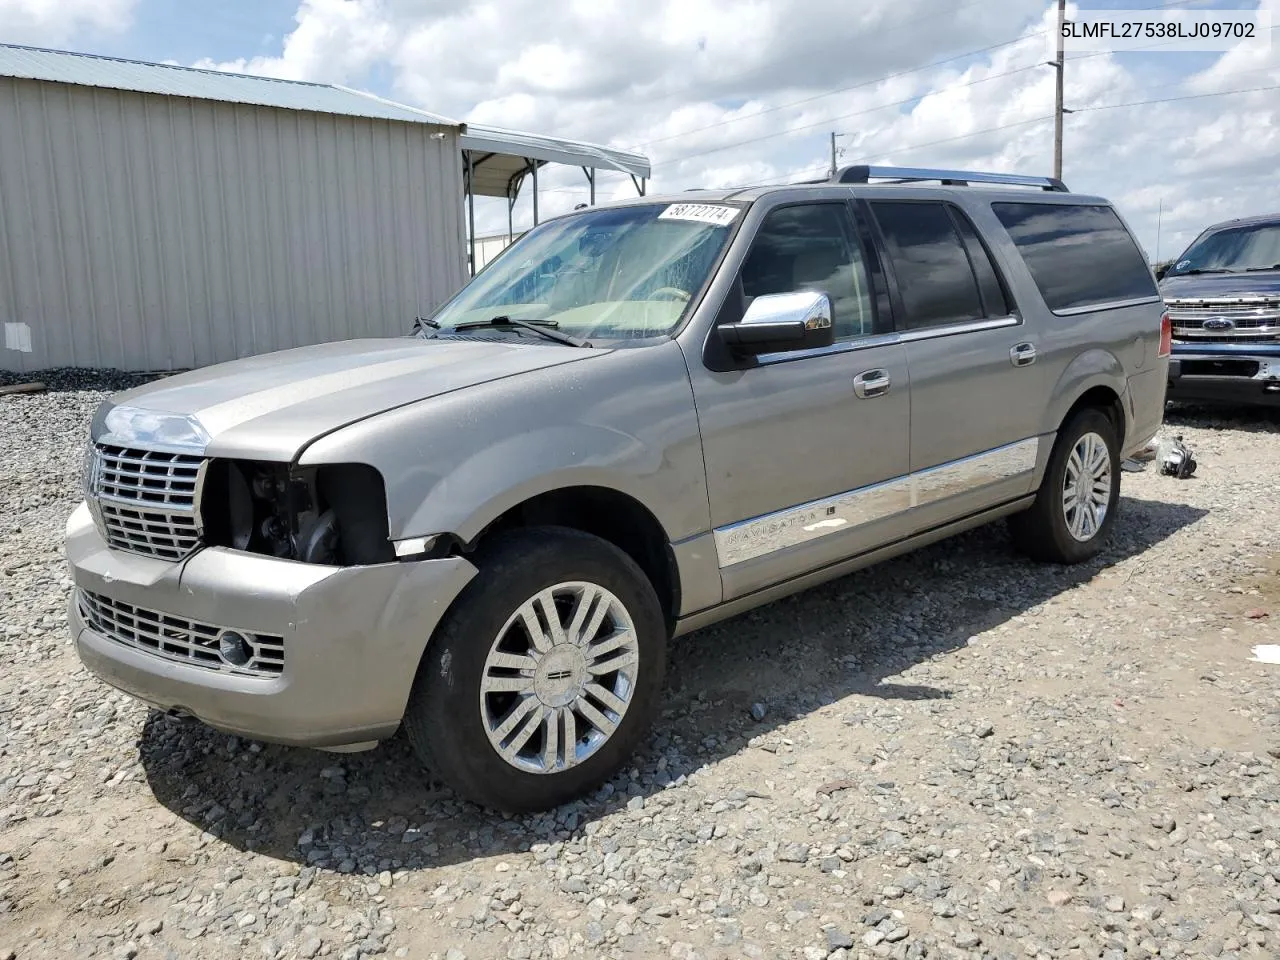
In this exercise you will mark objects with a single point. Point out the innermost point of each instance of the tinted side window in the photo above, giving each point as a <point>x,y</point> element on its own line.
<point>929,260</point>
<point>994,298</point>
<point>811,247</point>
<point>1079,256</point>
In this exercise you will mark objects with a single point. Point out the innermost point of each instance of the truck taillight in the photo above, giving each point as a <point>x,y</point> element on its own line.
<point>1166,335</point>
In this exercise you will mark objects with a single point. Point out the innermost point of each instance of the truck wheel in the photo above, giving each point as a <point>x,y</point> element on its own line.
<point>1076,504</point>
<point>545,673</point>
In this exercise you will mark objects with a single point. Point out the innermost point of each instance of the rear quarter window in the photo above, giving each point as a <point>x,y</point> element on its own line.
<point>1079,256</point>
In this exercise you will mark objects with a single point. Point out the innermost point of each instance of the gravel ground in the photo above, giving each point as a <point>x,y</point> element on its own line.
<point>954,755</point>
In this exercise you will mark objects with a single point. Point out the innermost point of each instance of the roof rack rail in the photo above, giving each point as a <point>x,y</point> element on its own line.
<point>864,174</point>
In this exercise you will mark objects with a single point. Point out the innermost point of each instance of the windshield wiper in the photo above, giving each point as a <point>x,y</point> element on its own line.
<point>1274,266</point>
<point>420,322</point>
<point>1187,273</point>
<point>546,328</point>
<point>502,320</point>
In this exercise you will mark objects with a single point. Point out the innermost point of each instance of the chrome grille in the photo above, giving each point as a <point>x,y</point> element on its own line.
<point>182,640</point>
<point>148,477</point>
<point>147,500</point>
<point>1251,319</point>
<point>169,536</point>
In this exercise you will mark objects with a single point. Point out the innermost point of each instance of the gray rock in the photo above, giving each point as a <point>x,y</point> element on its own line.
<point>837,939</point>
<point>794,853</point>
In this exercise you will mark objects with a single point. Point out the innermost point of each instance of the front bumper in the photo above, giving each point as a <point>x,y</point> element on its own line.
<point>1243,374</point>
<point>352,636</point>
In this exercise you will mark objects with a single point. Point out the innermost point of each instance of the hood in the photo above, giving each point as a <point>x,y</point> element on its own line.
<point>1260,283</point>
<point>271,406</point>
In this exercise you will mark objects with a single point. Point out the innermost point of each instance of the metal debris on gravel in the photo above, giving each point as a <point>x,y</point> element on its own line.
<point>964,756</point>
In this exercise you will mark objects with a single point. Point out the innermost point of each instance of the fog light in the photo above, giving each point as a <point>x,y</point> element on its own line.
<point>234,648</point>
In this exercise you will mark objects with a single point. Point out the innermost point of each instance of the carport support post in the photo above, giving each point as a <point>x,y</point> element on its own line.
<point>591,179</point>
<point>471,212</point>
<point>534,164</point>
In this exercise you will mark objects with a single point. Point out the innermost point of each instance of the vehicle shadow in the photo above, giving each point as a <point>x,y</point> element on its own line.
<point>379,811</point>
<point>1222,417</point>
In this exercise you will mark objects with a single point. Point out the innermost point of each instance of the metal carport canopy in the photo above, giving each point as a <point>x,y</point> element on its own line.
<point>501,158</point>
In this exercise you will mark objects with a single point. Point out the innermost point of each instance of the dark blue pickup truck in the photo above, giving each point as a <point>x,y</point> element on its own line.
<point>1223,297</point>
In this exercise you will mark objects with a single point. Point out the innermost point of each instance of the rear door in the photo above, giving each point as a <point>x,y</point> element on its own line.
<point>977,395</point>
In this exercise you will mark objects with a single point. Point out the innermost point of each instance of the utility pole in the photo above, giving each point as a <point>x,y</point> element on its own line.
<point>1059,65</point>
<point>833,153</point>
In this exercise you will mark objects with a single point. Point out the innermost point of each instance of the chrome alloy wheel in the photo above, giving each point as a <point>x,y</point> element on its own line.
<point>1086,487</point>
<point>559,677</point>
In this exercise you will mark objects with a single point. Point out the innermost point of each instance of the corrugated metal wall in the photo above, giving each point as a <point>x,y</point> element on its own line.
<point>144,232</point>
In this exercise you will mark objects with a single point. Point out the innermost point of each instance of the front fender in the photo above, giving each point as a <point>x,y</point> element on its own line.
<point>455,463</point>
<point>486,484</point>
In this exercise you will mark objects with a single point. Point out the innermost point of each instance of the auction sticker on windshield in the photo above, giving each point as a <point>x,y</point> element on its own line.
<point>713,213</point>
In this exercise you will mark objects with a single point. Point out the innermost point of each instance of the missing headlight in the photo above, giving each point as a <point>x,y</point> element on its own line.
<point>334,514</point>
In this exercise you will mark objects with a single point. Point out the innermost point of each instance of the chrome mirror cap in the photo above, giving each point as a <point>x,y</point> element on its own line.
<point>812,308</point>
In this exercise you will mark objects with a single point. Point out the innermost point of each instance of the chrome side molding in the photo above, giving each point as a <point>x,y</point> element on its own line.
<point>761,536</point>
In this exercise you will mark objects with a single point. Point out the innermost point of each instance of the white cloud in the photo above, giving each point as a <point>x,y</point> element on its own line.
<point>709,89</point>
<point>56,22</point>
<point>333,40</point>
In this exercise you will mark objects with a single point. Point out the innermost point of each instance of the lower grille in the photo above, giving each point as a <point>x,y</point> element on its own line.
<point>169,536</point>
<point>1220,368</point>
<point>181,640</point>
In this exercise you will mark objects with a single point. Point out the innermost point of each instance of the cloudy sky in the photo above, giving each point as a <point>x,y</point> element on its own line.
<point>727,92</point>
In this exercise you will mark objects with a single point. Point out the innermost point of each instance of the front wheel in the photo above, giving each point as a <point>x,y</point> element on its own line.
<point>1075,507</point>
<point>544,675</point>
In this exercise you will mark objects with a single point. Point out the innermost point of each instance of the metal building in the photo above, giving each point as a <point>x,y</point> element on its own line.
<point>156,217</point>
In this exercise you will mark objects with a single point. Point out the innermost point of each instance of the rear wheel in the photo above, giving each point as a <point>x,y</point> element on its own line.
<point>1075,507</point>
<point>544,675</point>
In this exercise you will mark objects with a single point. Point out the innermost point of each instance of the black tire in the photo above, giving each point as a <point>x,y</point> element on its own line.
<point>444,719</point>
<point>1042,531</point>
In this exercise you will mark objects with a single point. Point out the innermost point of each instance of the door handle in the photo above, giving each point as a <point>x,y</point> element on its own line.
<point>1022,354</point>
<point>872,383</point>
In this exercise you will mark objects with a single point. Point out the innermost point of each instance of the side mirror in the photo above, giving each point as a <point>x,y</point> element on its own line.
<point>781,322</point>
<point>1161,271</point>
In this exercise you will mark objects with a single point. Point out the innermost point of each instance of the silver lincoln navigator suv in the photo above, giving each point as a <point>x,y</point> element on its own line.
<point>640,419</point>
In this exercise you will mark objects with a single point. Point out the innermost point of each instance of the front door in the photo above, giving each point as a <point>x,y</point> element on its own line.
<point>806,454</point>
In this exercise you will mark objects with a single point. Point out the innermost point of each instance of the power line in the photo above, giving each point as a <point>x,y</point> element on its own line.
<point>1189,96</point>
<point>845,116</point>
<point>931,93</point>
<point>898,103</point>
<point>832,93</point>
<point>882,79</point>
<point>907,149</point>
<point>1022,123</point>
<point>966,136</point>
<point>1019,123</point>
<point>888,76</point>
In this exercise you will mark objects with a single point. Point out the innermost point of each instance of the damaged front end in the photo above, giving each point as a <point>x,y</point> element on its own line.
<point>334,514</point>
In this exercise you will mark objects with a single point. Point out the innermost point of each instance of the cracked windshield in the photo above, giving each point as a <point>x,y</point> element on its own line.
<point>621,274</point>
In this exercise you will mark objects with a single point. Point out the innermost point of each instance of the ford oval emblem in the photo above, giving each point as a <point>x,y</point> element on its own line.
<point>1218,323</point>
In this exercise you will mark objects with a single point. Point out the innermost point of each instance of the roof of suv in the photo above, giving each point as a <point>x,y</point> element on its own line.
<point>1255,220</point>
<point>858,179</point>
